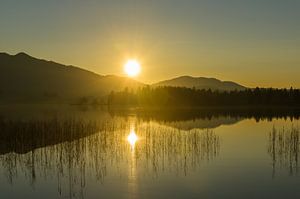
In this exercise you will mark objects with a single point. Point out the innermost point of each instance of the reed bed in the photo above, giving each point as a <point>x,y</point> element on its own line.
<point>71,150</point>
<point>284,148</point>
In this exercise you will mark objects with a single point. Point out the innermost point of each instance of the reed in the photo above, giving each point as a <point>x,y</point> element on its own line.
<point>72,150</point>
<point>284,148</point>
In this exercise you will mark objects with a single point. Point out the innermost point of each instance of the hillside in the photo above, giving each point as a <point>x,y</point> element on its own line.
<point>200,83</point>
<point>26,79</point>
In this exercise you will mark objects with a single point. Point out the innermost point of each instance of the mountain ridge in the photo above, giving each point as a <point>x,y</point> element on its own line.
<point>200,83</point>
<point>24,78</point>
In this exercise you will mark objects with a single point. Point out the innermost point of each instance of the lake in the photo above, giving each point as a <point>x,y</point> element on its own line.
<point>91,152</point>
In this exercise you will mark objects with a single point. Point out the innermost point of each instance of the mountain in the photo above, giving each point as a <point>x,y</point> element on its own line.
<point>24,78</point>
<point>27,79</point>
<point>201,83</point>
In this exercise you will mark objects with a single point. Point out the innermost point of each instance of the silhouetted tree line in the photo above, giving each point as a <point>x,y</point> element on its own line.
<point>179,96</point>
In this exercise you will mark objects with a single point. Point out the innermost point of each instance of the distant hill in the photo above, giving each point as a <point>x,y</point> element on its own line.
<point>26,79</point>
<point>201,83</point>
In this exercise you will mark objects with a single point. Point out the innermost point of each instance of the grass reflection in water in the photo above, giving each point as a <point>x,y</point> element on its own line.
<point>72,150</point>
<point>284,148</point>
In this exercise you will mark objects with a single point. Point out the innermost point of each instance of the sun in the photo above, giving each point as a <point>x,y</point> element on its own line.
<point>132,68</point>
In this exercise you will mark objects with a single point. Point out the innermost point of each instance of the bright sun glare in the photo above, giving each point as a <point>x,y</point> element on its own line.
<point>132,138</point>
<point>132,68</point>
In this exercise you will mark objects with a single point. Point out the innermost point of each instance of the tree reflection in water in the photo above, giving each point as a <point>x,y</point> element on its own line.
<point>72,150</point>
<point>284,148</point>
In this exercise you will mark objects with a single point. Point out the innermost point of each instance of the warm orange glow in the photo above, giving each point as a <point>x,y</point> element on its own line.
<point>132,138</point>
<point>132,68</point>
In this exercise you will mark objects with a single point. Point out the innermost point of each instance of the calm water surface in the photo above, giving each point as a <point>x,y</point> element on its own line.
<point>67,153</point>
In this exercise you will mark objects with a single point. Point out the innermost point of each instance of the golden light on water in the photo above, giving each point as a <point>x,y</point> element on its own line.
<point>132,68</point>
<point>132,138</point>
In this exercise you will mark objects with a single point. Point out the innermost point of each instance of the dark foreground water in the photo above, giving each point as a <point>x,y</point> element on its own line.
<point>81,152</point>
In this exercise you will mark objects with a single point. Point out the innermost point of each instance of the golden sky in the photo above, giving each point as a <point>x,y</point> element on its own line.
<point>254,43</point>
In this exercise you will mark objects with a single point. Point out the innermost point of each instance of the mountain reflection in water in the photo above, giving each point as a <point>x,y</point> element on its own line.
<point>72,152</point>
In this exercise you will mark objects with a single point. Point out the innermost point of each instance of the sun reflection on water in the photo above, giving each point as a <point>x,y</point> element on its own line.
<point>132,138</point>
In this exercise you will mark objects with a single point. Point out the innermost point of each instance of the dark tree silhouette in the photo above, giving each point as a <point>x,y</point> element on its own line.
<point>179,96</point>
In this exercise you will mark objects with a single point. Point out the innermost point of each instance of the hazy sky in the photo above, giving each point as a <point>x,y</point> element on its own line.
<point>253,42</point>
